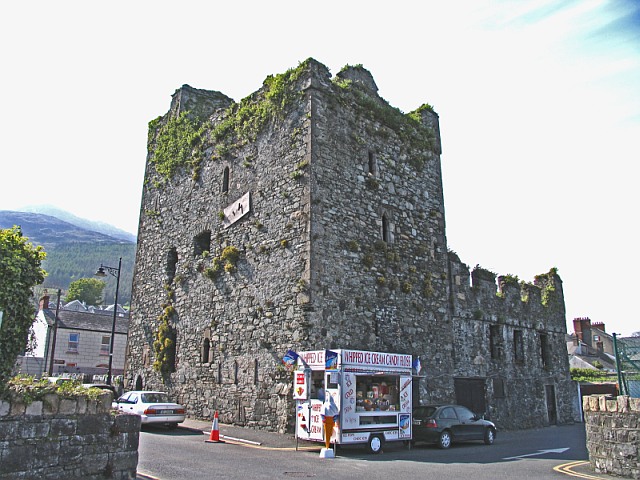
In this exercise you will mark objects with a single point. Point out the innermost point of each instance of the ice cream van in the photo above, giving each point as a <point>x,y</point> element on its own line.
<point>372,390</point>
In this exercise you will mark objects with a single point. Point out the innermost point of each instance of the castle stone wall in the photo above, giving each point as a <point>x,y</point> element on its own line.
<point>343,246</point>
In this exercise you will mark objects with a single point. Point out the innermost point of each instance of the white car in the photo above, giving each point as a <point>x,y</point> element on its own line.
<point>153,407</point>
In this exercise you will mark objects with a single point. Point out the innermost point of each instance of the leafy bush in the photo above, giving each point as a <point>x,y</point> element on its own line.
<point>29,390</point>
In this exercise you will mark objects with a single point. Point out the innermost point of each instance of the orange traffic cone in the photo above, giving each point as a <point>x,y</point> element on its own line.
<point>214,437</point>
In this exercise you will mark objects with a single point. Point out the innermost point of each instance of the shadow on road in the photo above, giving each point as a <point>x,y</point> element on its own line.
<point>164,430</point>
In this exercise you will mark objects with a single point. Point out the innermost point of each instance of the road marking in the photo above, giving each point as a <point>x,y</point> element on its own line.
<point>539,452</point>
<point>145,476</point>
<point>566,469</point>
<point>259,446</point>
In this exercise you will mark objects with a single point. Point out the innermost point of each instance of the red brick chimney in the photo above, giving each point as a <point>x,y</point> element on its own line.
<point>599,326</point>
<point>580,326</point>
<point>44,302</point>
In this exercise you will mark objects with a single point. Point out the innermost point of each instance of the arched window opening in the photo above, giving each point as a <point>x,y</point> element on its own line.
<point>206,349</point>
<point>172,261</point>
<point>225,180</point>
<point>235,372</point>
<point>202,243</point>
<point>139,383</point>
<point>220,374</point>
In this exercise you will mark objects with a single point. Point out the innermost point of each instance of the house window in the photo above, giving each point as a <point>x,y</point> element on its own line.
<point>105,345</point>
<point>225,180</point>
<point>518,347</point>
<point>202,243</point>
<point>74,341</point>
<point>373,167</point>
<point>544,350</point>
<point>495,341</point>
<point>172,261</point>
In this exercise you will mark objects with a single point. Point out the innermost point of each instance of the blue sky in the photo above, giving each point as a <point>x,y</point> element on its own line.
<point>539,110</point>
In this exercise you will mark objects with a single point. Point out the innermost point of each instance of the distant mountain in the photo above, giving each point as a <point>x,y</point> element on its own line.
<point>47,230</point>
<point>91,225</point>
<point>74,252</point>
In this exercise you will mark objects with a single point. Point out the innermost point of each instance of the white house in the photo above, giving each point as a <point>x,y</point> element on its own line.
<point>82,339</point>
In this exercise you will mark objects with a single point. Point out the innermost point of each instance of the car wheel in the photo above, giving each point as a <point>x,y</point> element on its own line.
<point>375,444</point>
<point>489,436</point>
<point>445,439</point>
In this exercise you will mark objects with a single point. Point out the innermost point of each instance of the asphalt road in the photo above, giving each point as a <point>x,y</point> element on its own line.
<point>183,453</point>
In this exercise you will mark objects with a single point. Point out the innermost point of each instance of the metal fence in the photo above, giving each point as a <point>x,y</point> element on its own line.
<point>628,364</point>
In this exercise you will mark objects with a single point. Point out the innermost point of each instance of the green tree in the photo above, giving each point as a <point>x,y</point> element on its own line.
<point>87,290</point>
<point>20,271</point>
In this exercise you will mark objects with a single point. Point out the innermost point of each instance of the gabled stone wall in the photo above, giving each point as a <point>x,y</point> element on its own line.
<point>70,438</point>
<point>613,434</point>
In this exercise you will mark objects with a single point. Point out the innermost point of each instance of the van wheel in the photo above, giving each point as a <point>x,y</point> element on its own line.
<point>375,444</point>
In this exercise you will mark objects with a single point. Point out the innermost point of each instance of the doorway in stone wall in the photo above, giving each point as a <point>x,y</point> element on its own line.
<point>470,392</point>
<point>552,412</point>
<point>138,382</point>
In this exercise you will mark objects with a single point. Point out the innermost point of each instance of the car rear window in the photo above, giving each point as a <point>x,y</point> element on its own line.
<point>425,411</point>
<point>154,398</point>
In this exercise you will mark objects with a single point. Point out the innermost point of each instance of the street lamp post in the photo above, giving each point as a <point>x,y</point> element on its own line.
<point>116,273</point>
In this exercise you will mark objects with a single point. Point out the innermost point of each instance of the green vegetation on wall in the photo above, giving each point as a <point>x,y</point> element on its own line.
<point>408,127</point>
<point>246,119</point>
<point>164,343</point>
<point>225,261</point>
<point>178,144</point>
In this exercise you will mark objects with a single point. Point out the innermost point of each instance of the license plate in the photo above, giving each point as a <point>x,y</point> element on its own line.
<point>166,412</point>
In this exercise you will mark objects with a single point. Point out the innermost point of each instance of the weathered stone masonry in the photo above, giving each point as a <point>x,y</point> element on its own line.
<point>343,246</point>
<point>613,434</point>
<point>70,438</point>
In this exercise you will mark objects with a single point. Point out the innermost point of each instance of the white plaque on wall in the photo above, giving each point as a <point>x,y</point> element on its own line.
<point>237,210</point>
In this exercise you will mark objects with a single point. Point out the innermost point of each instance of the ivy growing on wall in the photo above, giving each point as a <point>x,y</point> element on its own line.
<point>178,144</point>
<point>244,120</point>
<point>165,341</point>
<point>548,285</point>
<point>408,127</point>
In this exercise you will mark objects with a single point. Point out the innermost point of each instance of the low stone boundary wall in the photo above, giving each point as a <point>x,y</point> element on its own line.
<point>613,434</point>
<point>67,438</point>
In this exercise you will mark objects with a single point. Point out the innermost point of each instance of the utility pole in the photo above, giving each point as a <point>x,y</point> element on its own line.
<point>615,350</point>
<point>55,334</point>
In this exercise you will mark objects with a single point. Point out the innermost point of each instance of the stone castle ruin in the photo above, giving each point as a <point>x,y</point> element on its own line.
<point>310,215</point>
